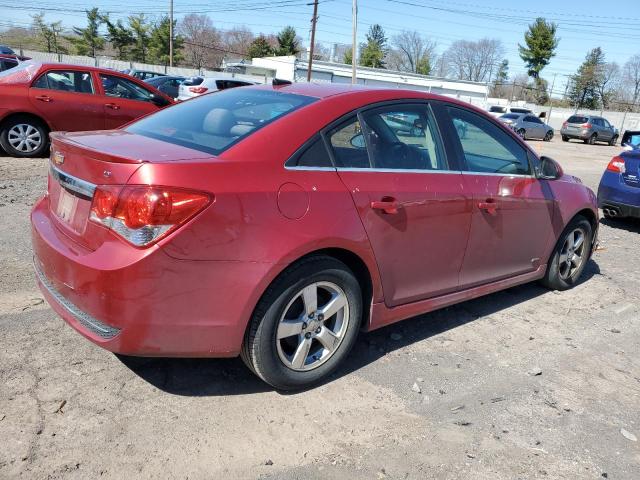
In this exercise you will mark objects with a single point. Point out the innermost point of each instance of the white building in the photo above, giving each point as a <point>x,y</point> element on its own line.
<point>290,68</point>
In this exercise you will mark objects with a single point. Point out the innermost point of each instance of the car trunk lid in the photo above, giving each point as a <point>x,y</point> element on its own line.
<point>631,174</point>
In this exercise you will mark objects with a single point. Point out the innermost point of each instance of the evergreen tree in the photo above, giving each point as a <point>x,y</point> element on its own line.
<point>374,50</point>
<point>48,34</point>
<point>120,37</point>
<point>140,31</point>
<point>88,40</point>
<point>541,43</point>
<point>424,65</point>
<point>260,47</point>
<point>288,43</point>
<point>159,42</point>
<point>348,56</point>
<point>583,86</point>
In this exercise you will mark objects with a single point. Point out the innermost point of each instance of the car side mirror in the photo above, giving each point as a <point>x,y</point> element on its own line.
<point>159,100</point>
<point>549,169</point>
<point>357,141</point>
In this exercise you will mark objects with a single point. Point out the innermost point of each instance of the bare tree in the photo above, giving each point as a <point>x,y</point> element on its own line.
<point>412,52</point>
<point>609,76</point>
<point>201,40</point>
<point>237,40</point>
<point>631,78</point>
<point>474,61</point>
<point>321,52</point>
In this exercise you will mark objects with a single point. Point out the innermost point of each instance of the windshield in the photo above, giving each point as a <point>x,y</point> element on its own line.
<point>213,123</point>
<point>498,109</point>
<point>577,119</point>
<point>23,73</point>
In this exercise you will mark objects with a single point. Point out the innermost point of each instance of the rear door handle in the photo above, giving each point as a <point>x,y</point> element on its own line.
<point>387,205</point>
<point>112,106</point>
<point>490,205</point>
<point>44,98</point>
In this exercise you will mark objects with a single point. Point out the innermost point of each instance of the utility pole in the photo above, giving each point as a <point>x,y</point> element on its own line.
<point>553,82</point>
<point>171,33</point>
<point>354,58</point>
<point>314,20</point>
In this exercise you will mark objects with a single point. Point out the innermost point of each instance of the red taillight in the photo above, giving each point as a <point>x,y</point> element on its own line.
<point>198,89</point>
<point>616,165</point>
<point>144,214</point>
<point>564,125</point>
<point>586,125</point>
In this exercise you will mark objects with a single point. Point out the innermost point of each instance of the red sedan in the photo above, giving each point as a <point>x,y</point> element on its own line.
<point>276,222</point>
<point>36,99</point>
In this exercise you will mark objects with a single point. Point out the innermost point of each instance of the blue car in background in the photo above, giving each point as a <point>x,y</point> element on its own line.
<point>619,190</point>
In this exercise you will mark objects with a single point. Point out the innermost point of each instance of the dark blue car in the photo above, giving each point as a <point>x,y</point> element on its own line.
<point>619,190</point>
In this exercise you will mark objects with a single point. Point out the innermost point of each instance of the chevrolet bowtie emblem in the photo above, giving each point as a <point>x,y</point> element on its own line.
<point>58,158</point>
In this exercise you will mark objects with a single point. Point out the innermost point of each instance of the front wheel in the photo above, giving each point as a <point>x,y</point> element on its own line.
<point>548,136</point>
<point>570,255</point>
<point>522,133</point>
<point>305,324</point>
<point>565,138</point>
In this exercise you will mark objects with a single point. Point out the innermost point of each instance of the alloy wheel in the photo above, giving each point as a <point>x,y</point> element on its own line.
<point>24,138</point>
<point>572,254</point>
<point>312,326</point>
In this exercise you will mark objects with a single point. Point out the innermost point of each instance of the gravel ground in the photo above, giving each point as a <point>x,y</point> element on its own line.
<point>522,384</point>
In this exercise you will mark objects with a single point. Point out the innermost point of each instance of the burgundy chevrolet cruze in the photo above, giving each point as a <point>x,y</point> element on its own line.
<point>276,222</point>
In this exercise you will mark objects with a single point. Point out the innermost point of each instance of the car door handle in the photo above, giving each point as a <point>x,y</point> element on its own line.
<point>44,98</point>
<point>112,106</point>
<point>387,205</point>
<point>489,205</point>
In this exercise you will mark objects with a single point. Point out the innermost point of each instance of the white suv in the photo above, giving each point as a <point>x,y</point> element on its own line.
<point>195,86</point>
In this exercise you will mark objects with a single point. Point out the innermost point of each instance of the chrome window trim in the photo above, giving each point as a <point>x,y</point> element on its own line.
<point>87,321</point>
<point>311,169</point>
<point>72,183</point>
<point>495,174</point>
<point>395,170</point>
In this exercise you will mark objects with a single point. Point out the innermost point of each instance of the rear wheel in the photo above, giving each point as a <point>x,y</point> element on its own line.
<point>565,138</point>
<point>24,136</point>
<point>570,255</point>
<point>548,136</point>
<point>592,139</point>
<point>305,324</point>
<point>522,133</point>
<point>613,140</point>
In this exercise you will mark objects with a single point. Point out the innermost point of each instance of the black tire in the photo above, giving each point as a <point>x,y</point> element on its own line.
<point>260,347</point>
<point>548,136</point>
<point>613,140</point>
<point>522,133</point>
<point>32,122</point>
<point>553,278</point>
<point>565,138</point>
<point>592,139</point>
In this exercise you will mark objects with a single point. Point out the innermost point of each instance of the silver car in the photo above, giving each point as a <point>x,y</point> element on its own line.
<point>196,86</point>
<point>528,126</point>
<point>590,129</point>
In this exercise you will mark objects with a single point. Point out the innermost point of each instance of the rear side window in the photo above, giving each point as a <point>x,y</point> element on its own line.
<point>577,119</point>
<point>213,123</point>
<point>486,147</point>
<point>66,81</point>
<point>314,155</point>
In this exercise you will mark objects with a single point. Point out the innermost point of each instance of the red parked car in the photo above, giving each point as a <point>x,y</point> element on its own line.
<point>276,222</point>
<point>36,99</point>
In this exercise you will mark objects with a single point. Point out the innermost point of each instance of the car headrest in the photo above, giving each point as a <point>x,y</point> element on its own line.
<point>240,130</point>
<point>218,121</point>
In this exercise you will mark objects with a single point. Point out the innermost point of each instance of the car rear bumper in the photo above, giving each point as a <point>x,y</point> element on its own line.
<point>142,301</point>
<point>581,134</point>
<point>617,196</point>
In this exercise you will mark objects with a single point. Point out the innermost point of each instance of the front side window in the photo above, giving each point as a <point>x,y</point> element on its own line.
<point>486,147</point>
<point>122,88</point>
<point>66,81</point>
<point>348,145</point>
<point>213,123</point>
<point>403,138</point>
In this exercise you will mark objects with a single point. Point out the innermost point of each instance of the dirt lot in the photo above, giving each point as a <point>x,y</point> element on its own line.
<point>453,394</point>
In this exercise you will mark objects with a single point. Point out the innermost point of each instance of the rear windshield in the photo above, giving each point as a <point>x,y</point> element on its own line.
<point>498,109</point>
<point>193,81</point>
<point>511,116</point>
<point>520,110</point>
<point>213,123</point>
<point>577,119</point>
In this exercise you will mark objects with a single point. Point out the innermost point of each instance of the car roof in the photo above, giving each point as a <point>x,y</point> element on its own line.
<point>324,90</point>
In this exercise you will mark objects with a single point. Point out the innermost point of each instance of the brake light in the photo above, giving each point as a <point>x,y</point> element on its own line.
<point>586,125</point>
<point>564,125</point>
<point>198,89</point>
<point>144,214</point>
<point>616,165</point>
